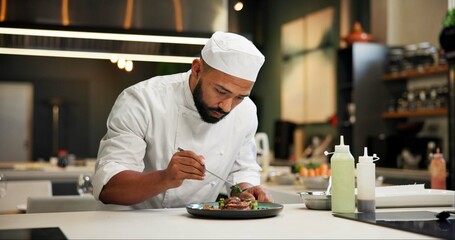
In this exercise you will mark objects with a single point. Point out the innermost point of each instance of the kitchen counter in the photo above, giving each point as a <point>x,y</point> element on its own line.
<point>44,171</point>
<point>64,180</point>
<point>295,221</point>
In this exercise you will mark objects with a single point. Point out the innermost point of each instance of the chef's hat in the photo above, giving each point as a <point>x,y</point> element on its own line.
<point>234,55</point>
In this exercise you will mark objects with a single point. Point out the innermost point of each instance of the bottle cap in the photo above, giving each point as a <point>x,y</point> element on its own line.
<point>341,147</point>
<point>365,158</point>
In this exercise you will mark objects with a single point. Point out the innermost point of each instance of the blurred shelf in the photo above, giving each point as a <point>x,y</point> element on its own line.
<point>414,73</point>
<point>420,113</point>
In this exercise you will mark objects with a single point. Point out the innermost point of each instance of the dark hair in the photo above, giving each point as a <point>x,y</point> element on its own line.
<point>206,66</point>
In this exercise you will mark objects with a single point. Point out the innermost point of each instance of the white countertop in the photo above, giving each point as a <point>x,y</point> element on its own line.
<point>294,222</point>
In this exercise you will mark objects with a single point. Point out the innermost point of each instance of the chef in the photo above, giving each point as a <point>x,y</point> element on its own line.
<point>205,111</point>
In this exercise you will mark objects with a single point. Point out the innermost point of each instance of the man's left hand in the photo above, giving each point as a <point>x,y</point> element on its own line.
<point>256,193</point>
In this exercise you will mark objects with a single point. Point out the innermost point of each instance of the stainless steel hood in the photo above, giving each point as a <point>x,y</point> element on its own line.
<point>133,18</point>
<point>190,16</point>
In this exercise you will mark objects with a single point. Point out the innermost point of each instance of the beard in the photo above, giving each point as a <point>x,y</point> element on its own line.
<point>203,109</point>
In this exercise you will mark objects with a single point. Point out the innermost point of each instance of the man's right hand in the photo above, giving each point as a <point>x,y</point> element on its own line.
<point>184,165</point>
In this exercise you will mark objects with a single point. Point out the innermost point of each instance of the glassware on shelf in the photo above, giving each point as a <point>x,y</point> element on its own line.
<point>422,98</point>
<point>396,60</point>
<point>410,56</point>
<point>84,185</point>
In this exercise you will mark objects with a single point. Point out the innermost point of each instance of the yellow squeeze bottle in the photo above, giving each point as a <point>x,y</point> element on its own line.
<point>343,179</point>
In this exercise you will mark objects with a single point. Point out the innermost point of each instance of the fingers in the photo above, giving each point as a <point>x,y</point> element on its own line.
<point>259,193</point>
<point>190,158</point>
<point>187,165</point>
<point>244,195</point>
<point>265,197</point>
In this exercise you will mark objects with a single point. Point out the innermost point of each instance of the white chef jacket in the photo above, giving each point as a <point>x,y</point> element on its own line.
<point>151,119</point>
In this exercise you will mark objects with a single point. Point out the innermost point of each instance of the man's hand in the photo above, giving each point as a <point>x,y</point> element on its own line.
<point>184,165</point>
<point>254,193</point>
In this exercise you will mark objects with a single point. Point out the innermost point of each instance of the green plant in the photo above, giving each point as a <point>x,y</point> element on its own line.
<point>449,20</point>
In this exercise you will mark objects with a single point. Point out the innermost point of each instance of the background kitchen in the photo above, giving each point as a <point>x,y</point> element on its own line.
<point>313,87</point>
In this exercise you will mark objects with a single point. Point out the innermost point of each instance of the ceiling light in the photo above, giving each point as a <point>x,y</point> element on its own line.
<point>96,55</point>
<point>114,59</point>
<point>104,36</point>
<point>129,66</point>
<point>121,63</point>
<point>238,6</point>
<point>93,53</point>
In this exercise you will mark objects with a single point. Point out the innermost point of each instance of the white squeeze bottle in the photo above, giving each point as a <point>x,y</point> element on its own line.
<point>366,183</point>
<point>343,179</point>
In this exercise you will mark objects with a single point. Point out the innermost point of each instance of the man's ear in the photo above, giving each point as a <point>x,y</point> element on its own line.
<point>196,67</point>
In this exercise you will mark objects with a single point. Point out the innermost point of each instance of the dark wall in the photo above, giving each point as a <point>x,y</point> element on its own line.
<point>268,84</point>
<point>88,89</point>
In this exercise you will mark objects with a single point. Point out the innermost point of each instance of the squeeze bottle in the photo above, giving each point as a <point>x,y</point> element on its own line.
<point>438,171</point>
<point>343,179</point>
<point>366,183</point>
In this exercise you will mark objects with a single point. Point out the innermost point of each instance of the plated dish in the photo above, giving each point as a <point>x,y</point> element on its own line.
<point>264,210</point>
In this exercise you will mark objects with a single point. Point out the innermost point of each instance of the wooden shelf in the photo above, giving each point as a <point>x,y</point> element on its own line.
<point>419,113</point>
<point>414,73</point>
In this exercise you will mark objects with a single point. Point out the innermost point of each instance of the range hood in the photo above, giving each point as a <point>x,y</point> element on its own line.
<point>98,29</point>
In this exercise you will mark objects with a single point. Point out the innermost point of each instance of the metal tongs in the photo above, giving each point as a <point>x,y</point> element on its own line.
<point>234,187</point>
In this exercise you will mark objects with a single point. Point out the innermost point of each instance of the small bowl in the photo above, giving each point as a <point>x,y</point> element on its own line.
<point>319,200</point>
<point>285,179</point>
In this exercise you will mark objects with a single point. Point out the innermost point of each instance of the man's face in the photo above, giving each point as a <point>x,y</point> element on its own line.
<point>204,110</point>
<point>217,93</point>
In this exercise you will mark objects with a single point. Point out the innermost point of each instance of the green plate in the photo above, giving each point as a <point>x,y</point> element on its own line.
<point>264,210</point>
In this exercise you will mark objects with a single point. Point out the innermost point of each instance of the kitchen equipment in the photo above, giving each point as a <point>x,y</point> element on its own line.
<point>444,215</point>
<point>366,183</point>
<point>343,179</point>
<point>233,186</point>
<point>357,35</point>
<point>318,200</point>
<point>33,233</point>
<point>264,210</point>
<point>263,150</point>
<point>284,138</point>
<point>84,184</point>
<point>423,222</point>
<point>438,171</point>
<point>414,195</point>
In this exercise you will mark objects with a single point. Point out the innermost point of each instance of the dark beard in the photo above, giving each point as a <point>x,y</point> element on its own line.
<point>203,109</point>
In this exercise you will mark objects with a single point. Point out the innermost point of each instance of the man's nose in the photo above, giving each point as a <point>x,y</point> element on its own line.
<point>226,105</point>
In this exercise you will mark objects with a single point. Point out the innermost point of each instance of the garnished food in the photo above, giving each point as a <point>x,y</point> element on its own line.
<point>233,203</point>
<point>236,188</point>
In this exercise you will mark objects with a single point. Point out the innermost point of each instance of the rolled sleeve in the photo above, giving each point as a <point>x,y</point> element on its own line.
<point>123,146</point>
<point>103,175</point>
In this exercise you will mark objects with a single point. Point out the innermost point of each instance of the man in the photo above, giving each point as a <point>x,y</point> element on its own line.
<point>205,111</point>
